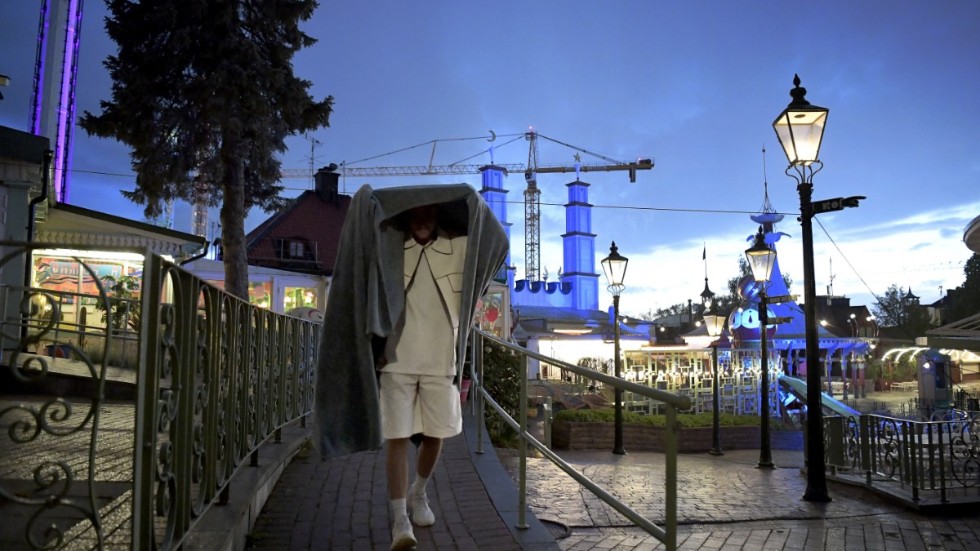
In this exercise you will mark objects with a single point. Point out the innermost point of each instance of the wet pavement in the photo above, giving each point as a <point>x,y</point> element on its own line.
<point>724,503</point>
<point>727,503</point>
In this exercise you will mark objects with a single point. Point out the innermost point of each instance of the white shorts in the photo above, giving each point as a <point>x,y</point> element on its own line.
<point>412,404</point>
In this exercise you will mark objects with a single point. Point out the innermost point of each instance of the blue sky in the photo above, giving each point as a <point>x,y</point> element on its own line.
<point>693,85</point>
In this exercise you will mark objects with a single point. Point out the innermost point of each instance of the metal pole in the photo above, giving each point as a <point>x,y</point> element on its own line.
<point>765,451</point>
<point>618,431</point>
<point>522,477</point>
<point>816,477</point>
<point>715,438</point>
<point>477,390</point>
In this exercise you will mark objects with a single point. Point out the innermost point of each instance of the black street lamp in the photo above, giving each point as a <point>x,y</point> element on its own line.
<point>800,130</point>
<point>761,259</point>
<point>714,324</point>
<point>614,266</point>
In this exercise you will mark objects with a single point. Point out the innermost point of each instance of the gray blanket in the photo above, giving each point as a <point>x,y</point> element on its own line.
<point>367,296</point>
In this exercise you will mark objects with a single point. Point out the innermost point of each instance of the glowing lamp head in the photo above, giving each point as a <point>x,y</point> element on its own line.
<point>714,324</point>
<point>800,127</point>
<point>707,297</point>
<point>761,258</point>
<point>614,266</point>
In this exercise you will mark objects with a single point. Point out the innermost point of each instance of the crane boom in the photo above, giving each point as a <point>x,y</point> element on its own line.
<point>418,170</point>
<point>532,195</point>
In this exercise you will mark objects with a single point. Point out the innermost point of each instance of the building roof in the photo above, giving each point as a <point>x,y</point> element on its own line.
<point>67,224</point>
<point>964,334</point>
<point>313,218</point>
<point>537,321</point>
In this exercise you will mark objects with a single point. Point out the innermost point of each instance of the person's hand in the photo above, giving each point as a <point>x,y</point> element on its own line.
<point>380,362</point>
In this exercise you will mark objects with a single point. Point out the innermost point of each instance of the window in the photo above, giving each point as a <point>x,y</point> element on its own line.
<point>293,249</point>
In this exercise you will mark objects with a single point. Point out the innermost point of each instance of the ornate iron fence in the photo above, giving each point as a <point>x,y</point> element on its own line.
<point>937,460</point>
<point>209,378</point>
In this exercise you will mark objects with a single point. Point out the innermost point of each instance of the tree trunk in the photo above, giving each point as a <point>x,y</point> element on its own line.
<point>233,221</point>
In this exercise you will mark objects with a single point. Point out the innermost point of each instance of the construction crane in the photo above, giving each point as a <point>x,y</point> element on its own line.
<point>532,195</point>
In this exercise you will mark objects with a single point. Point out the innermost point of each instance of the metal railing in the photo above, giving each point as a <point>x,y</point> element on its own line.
<point>211,378</point>
<point>922,460</point>
<point>666,534</point>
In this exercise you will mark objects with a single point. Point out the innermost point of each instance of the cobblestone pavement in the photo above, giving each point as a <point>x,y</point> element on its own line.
<point>342,504</point>
<point>726,503</point>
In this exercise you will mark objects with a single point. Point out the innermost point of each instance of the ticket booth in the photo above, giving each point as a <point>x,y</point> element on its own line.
<point>934,380</point>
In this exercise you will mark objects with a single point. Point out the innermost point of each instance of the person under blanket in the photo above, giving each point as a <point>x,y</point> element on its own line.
<point>418,366</point>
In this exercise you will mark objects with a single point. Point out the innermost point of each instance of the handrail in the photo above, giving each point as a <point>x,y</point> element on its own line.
<point>215,378</point>
<point>677,400</point>
<point>666,535</point>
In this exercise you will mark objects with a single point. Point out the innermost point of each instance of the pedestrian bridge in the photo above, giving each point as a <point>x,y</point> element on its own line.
<point>121,432</point>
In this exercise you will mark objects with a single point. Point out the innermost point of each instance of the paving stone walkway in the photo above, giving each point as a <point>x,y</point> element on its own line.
<point>727,503</point>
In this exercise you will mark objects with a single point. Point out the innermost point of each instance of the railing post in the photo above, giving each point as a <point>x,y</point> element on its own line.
<point>522,486</point>
<point>147,413</point>
<point>942,463</point>
<point>548,405</point>
<point>670,449</point>
<point>477,391</point>
<point>865,447</point>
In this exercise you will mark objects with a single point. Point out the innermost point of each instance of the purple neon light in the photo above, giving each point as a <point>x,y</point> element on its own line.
<point>66,101</point>
<point>42,50</point>
<point>70,127</point>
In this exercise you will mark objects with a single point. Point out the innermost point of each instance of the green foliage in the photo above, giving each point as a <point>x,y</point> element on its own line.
<point>965,299</point>
<point>124,310</point>
<point>694,420</point>
<point>897,309</point>
<point>875,369</point>
<point>904,370</point>
<point>501,378</point>
<point>204,95</point>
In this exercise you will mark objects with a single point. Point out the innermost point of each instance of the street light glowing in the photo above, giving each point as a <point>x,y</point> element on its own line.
<point>714,324</point>
<point>800,127</point>
<point>761,258</point>
<point>614,266</point>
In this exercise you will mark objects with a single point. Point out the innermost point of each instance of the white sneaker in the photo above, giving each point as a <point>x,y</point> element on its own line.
<point>402,537</point>
<point>422,515</point>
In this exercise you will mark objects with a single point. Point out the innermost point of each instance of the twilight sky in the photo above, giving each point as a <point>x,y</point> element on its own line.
<point>695,86</point>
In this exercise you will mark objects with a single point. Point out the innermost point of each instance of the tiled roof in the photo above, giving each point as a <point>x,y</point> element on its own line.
<point>308,218</point>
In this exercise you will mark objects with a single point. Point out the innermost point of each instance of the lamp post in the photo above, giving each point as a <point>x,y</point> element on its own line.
<point>761,259</point>
<point>800,129</point>
<point>614,266</point>
<point>714,324</point>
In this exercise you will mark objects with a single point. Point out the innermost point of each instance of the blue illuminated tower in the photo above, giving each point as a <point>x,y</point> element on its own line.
<point>493,192</point>
<point>578,243</point>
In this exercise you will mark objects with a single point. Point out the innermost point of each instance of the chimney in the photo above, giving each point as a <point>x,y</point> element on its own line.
<point>327,180</point>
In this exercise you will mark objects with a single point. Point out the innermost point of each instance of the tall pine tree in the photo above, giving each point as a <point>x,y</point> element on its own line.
<point>204,94</point>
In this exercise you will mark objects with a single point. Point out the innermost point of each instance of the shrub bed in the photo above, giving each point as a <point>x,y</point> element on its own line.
<point>593,429</point>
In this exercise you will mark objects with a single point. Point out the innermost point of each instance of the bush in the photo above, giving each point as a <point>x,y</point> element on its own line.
<point>501,378</point>
<point>686,420</point>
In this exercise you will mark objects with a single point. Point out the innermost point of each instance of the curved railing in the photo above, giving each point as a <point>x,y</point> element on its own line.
<point>673,402</point>
<point>206,378</point>
<point>921,459</point>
